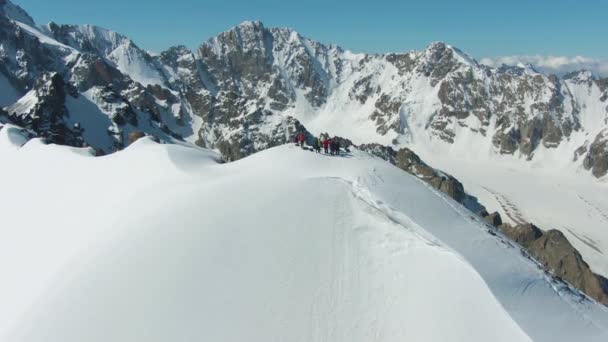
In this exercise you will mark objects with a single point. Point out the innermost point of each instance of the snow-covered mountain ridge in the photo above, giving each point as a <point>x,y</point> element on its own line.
<point>361,251</point>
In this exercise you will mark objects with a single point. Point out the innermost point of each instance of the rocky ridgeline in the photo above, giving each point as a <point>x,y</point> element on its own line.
<point>553,250</point>
<point>410,162</point>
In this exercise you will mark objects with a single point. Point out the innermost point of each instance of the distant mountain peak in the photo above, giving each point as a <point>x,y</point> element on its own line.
<point>582,75</point>
<point>251,24</point>
<point>16,13</point>
<point>438,50</point>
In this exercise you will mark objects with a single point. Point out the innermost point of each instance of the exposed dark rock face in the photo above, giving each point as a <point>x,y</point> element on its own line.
<point>558,255</point>
<point>493,219</point>
<point>555,252</point>
<point>135,135</point>
<point>596,159</point>
<point>47,116</point>
<point>410,162</point>
<point>550,248</point>
<point>250,139</point>
<point>524,234</point>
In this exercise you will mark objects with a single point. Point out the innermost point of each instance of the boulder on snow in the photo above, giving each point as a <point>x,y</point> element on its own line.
<point>524,234</point>
<point>493,219</point>
<point>135,135</point>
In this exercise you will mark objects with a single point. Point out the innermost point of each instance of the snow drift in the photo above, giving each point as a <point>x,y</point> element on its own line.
<point>164,243</point>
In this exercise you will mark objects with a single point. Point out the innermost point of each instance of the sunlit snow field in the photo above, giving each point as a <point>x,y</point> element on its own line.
<point>163,243</point>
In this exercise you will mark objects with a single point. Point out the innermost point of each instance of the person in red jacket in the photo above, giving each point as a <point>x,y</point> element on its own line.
<point>302,138</point>
<point>326,145</point>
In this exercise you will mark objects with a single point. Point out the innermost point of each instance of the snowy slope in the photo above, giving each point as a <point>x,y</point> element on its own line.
<point>162,243</point>
<point>575,205</point>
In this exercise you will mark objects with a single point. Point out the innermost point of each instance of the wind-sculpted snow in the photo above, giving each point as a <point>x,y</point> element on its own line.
<point>163,243</point>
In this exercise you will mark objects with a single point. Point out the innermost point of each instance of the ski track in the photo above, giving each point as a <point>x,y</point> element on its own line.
<point>512,211</point>
<point>586,240</point>
<point>595,207</point>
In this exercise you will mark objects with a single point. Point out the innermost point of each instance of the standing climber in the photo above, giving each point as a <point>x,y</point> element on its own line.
<point>302,138</point>
<point>326,145</point>
<point>337,146</point>
<point>318,144</point>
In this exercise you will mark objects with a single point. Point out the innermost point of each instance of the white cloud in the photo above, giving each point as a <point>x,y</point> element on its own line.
<point>558,65</point>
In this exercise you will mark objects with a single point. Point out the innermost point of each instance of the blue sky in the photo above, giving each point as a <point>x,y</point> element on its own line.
<point>481,28</point>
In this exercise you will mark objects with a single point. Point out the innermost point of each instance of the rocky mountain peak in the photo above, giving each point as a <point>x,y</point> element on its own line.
<point>15,12</point>
<point>174,53</point>
<point>88,38</point>
<point>521,69</point>
<point>580,76</point>
<point>251,25</point>
<point>246,36</point>
<point>436,52</point>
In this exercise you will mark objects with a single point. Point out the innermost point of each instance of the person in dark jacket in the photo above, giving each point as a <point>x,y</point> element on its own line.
<point>318,144</point>
<point>337,147</point>
<point>326,145</point>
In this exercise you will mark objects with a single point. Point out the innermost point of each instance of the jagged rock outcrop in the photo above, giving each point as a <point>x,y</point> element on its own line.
<point>553,250</point>
<point>492,219</point>
<point>102,72</point>
<point>43,111</point>
<point>410,162</point>
<point>596,159</point>
<point>524,234</point>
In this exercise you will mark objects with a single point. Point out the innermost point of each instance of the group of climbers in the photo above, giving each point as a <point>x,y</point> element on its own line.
<point>329,145</point>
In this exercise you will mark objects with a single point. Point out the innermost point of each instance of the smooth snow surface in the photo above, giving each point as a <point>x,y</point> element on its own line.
<point>162,243</point>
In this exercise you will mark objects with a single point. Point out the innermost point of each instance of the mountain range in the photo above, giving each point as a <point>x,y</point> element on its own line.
<point>239,90</point>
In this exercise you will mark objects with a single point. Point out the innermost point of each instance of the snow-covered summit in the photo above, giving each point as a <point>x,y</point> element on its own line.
<point>88,38</point>
<point>120,50</point>
<point>436,51</point>
<point>357,242</point>
<point>582,75</point>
